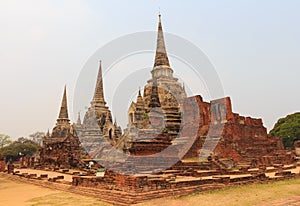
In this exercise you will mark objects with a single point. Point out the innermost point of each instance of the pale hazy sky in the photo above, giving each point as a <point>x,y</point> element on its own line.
<point>253,44</point>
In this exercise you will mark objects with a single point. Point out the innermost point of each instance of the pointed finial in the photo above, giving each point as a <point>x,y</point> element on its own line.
<point>139,101</point>
<point>161,56</point>
<point>98,98</point>
<point>115,121</point>
<point>78,119</point>
<point>63,113</point>
<point>139,94</point>
<point>48,133</point>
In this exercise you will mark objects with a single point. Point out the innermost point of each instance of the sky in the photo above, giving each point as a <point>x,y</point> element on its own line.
<point>44,44</point>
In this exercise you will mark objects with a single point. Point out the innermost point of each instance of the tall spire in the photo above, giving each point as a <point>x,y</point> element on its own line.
<point>154,98</point>
<point>161,56</point>
<point>98,98</point>
<point>63,113</point>
<point>78,119</point>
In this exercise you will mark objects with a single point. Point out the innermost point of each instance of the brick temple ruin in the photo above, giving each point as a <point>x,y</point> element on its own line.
<point>173,144</point>
<point>165,118</point>
<point>62,147</point>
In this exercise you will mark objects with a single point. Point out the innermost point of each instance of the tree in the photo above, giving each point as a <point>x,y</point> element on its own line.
<point>4,140</point>
<point>37,137</point>
<point>23,140</point>
<point>288,128</point>
<point>18,148</point>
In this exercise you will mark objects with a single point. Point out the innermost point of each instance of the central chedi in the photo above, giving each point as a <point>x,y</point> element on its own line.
<point>154,119</point>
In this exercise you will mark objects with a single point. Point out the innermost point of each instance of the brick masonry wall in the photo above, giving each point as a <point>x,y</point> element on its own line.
<point>241,138</point>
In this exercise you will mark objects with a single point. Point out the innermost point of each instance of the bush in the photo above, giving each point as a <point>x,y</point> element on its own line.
<point>288,128</point>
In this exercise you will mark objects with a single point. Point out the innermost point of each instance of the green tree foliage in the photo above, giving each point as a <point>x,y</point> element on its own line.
<point>288,128</point>
<point>18,148</point>
<point>4,140</point>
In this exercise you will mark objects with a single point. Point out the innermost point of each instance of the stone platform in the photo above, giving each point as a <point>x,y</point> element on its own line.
<point>120,189</point>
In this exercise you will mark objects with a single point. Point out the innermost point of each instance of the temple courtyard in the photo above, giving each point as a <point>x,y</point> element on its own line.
<point>253,186</point>
<point>279,193</point>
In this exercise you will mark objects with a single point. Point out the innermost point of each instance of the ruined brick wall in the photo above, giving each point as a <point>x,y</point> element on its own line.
<point>238,138</point>
<point>195,121</point>
<point>2,165</point>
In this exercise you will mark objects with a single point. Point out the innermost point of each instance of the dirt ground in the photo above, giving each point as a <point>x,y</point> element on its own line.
<point>281,193</point>
<point>21,194</point>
